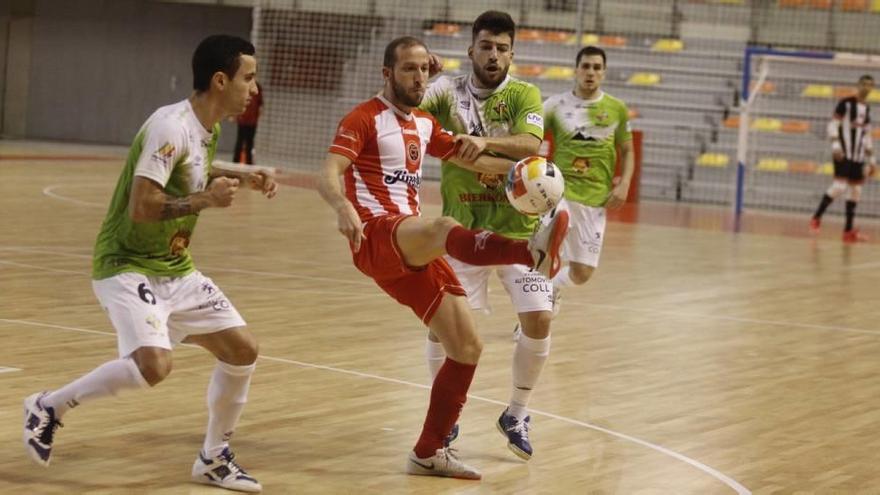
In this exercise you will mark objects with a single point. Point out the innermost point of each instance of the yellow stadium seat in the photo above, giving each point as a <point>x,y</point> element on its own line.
<point>667,45</point>
<point>875,6</point>
<point>818,91</point>
<point>451,64</point>
<point>773,164</point>
<point>586,39</point>
<point>767,124</point>
<point>558,72</point>
<point>826,168</point>
<point>644,79</point>
<point>874,96</point>
<point>719,160</point>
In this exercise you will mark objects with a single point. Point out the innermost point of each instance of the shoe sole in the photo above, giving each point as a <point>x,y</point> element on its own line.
<point>27,436</point>
<point>513,448</point>
<point>557,236</point>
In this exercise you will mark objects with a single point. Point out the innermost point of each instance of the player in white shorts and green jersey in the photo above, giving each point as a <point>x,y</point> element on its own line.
<point>584,128</point>
<point>491,111</point>
<point>143,274</point>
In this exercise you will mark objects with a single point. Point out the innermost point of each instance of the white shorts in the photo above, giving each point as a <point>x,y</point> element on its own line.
<point>586,231</point>
<point>529,291</point>
<point>161,311</point>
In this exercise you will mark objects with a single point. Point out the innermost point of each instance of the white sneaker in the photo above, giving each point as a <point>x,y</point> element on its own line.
<point>443,463</point>
<point>224,472</point>
<point>546,242</point>
<point>40,425</point>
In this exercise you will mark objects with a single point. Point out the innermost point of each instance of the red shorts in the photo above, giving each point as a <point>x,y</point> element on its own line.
<point>422,288</point>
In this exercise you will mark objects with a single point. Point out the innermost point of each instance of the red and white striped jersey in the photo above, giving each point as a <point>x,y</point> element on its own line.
<point>386,147</point>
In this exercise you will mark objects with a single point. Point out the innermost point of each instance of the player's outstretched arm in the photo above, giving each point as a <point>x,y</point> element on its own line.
<point>484,164</point>
<point>256,177</point>
<point>150,203</point>
<point>348,221</point>
<point>516,147</point>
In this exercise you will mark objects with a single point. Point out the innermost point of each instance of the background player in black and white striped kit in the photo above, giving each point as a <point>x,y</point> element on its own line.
<point>850,135</point>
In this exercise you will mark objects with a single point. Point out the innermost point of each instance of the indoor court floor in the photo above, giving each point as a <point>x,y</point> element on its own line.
<point>698,360</point>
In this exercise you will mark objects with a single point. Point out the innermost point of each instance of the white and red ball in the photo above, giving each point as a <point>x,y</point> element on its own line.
<point>534,185</point>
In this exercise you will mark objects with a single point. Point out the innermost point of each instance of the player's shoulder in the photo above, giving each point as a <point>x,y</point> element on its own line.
<point>366,110</point>
<point>169,119</point>
<point>613,100</point>
<point>446,82</point>
<point>556,100</point>
<point>519,86</point>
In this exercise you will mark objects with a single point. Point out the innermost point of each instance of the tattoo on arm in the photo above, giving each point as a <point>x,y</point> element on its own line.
<point>176,208</point>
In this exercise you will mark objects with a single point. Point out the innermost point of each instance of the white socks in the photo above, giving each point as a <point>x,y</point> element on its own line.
<point>227,395</point>
<point>110,378</point>
<point>436,355</point>
<point>529,356</point>
<point>563,278</point>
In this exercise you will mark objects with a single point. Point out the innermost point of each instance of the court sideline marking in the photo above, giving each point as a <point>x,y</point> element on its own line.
<point>730,482</point>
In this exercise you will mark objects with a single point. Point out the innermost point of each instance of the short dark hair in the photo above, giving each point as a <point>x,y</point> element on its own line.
<point>590,50</point>
<point>390,57</point>
<point>866,77</point>
<point>218,53</point>
<point>494,21</point>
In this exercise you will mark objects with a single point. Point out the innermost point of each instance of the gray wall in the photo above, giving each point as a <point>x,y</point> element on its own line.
<point>98,68</point>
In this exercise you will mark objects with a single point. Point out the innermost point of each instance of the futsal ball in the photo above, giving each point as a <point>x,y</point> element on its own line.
<point>534,185</point>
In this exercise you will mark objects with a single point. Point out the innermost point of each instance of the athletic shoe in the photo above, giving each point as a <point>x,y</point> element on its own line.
<point>815,223</point>
<point>853,236</point>
<point>453,436</point>
<point>40,425</point>
<point>224,472</point>
<point>442,463</point>
<point>517,433</point>
<point>546,242</point>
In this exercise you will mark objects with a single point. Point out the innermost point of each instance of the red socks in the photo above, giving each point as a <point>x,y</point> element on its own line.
<point>483,248</point>
<point>448,396</point>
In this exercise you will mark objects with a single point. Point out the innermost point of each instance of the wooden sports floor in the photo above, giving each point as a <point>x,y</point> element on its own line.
<point>697,361</point>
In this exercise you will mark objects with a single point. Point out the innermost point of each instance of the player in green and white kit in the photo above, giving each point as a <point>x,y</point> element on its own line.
<point>585,127</point>
<point>143,274</point>
<point>493,112</point>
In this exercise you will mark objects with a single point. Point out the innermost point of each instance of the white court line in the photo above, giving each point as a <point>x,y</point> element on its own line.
<point>730,482</point>
<point>48,191</point>
<point>680,314</point>
<point>4,369</point>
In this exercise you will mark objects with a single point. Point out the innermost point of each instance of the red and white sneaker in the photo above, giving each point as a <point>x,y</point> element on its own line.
<point>546,243</point>
<point>853,236</point>
<point>815,224</point>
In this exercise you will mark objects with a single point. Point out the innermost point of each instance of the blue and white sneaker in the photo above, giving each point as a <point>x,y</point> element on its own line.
<point>224,472</point>
<point>517,433</point>
<point>40,425</point>
<point>453,436</point>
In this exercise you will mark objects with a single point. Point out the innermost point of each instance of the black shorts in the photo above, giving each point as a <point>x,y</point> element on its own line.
<point>849,170</point>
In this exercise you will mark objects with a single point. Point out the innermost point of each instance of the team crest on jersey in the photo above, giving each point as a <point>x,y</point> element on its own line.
<point>164,153</point>
<point>601,118</point>
<point>581,165</point>
<point>412,152</point>
<point>490,181</point>
<point>500,107</point>
<point>179,242</point>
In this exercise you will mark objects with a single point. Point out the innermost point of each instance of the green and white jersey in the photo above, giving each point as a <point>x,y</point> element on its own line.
<point>174,150</point>
<point>477,200</point>
<point>583,136</point>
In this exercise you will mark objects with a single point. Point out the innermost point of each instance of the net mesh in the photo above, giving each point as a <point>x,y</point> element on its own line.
<point>788,153</point>
<point>676,63</point>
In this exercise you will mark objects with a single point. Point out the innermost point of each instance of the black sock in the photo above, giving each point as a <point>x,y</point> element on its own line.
<point>850,215</point>
<point>823,205</point>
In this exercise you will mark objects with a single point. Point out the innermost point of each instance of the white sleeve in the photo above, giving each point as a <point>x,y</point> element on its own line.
<point>833,126</point>
<point>163,146</point>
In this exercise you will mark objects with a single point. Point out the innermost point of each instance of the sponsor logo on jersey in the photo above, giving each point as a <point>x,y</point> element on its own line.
<point>179,242</point>
<point>535,119</point>
<point>164,153</point>
<point>412,180</point>
<point>413,152</point>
